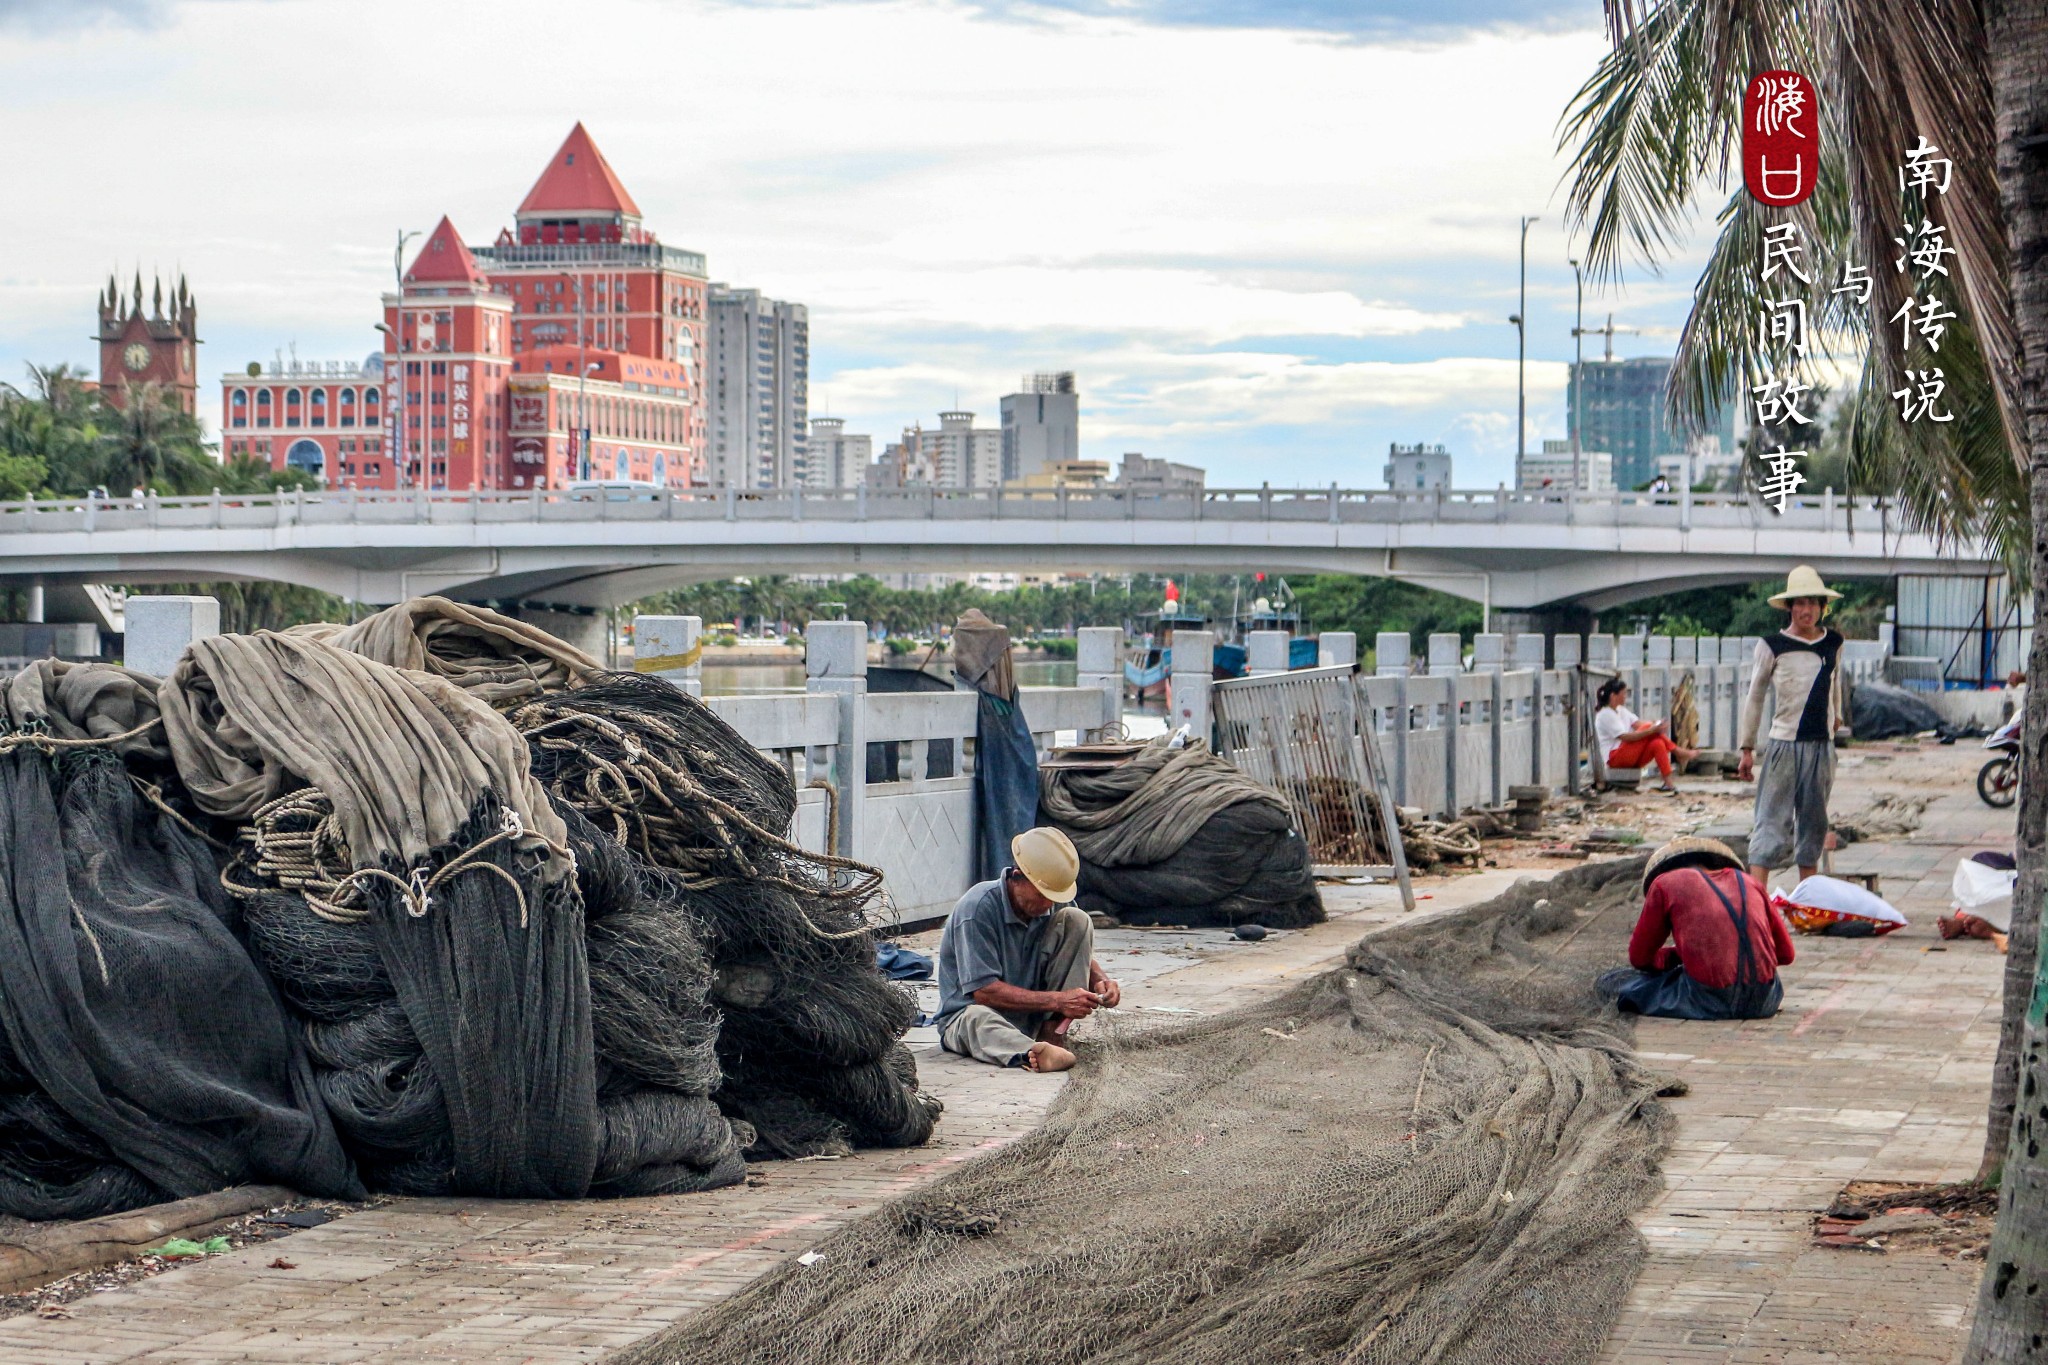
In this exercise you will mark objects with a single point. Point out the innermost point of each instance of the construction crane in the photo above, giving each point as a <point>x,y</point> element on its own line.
<point>1608,333</point>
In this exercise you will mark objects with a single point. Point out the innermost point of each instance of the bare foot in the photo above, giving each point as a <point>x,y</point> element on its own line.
<point>1048,1057</point>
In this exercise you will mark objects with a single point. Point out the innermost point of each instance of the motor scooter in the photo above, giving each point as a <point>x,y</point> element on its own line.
<point>1998,781</point>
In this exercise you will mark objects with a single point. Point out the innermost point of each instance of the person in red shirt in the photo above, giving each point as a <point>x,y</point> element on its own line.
<point>1727,942</point>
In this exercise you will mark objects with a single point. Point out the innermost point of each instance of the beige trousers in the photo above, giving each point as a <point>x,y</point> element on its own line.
<point>999,1037</point>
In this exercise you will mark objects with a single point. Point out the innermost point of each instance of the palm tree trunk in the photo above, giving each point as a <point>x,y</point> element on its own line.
<point>2012,1305</point>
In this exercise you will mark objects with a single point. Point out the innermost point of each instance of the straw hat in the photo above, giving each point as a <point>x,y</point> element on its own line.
<point>1048,861</point>
<point>1702,851</point>
<point>1804,581</point>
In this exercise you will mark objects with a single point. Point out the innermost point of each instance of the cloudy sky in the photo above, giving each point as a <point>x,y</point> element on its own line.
<point>1270,236</point>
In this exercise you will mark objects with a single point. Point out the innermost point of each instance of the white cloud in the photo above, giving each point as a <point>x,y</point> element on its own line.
<point>958,199</point>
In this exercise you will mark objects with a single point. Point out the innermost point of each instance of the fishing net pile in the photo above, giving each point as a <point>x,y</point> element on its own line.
<point>1179,836</point>
<point>431,904</point>
<point>1429,1153</point>
<point>809,1047</point>
<point>143,1055</point>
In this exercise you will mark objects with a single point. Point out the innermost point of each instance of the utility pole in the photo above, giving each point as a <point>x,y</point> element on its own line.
<point>1578,360</point>
<point>1520,319</point>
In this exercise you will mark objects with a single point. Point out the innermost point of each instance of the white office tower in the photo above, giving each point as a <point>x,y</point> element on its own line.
<point>1041,425</point>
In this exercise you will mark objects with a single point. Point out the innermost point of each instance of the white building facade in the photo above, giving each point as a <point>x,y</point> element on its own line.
<point>757,390</point>
<point>1417,469</point>
<point>835,457</point>
<point>1041,425</point>
<point>1553,469</point>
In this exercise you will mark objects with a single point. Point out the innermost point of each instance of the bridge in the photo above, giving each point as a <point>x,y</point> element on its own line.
<point>599,548</point>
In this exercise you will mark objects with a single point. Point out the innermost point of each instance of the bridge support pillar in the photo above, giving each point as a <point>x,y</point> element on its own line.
<point>588,631</point>
<point>1099,663</point>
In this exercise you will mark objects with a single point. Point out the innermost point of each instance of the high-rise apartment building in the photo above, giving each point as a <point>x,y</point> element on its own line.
<point>960,454</point>
<point>835,457</point>
<point>1041,425</point>
<point>759,389</point>
<point>1619,406</point>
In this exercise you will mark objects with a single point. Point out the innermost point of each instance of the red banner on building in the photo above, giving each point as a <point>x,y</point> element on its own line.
<point>1780,138</point>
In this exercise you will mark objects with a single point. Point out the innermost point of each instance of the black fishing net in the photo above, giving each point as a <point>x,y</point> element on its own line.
<point>1429,1153</point>
<point>806,1028</point>
<point>142,1054</point>
<point>1179,836</point>
<point>454,956</point>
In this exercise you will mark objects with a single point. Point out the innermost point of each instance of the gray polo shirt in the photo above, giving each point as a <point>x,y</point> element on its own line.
<point>986,941</point>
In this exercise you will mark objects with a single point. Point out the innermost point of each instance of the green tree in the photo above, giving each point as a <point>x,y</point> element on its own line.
<point>1656,124</point>
<point>154,444</point>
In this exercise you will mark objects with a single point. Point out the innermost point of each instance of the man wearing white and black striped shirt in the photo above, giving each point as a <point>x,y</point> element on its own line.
<point>1798,770</point>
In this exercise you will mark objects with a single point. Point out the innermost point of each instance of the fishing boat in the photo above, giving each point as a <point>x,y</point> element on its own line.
<point>1231,659</point>
<point>1150,662</point>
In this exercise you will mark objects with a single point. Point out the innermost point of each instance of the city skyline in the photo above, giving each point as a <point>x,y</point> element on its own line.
<point>1231,292</point>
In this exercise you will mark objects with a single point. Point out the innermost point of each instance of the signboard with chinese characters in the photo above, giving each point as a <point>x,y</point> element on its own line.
<point>1780,138</point>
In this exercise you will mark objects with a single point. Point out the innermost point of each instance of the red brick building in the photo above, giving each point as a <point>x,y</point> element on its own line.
<point>491,353</point>
<point>140,347</point>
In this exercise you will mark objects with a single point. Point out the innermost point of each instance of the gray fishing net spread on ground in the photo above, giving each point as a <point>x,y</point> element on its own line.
<point>1427,1154</point>
<point>1180,836</point>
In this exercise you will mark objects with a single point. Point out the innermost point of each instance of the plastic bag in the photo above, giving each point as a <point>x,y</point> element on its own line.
<point>1818,902</point>
<point>1985,892</point>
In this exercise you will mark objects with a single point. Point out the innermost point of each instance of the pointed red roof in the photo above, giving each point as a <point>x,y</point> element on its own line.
<point>578,181</point>
<point>445,260</point>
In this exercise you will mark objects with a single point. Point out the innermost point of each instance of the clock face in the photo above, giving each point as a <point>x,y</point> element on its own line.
<point>136,357</point>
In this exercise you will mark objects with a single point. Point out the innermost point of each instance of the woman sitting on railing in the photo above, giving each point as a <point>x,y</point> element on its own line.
<point>1628,741</point>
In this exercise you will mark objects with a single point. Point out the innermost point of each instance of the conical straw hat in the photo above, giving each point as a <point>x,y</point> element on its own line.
<point>1804,581</point>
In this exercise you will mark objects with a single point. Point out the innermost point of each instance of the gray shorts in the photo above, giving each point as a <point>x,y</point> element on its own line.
<point>1793,781</point>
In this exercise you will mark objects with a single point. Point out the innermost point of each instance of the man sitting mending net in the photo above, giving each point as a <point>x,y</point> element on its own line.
<point>1017,961</point>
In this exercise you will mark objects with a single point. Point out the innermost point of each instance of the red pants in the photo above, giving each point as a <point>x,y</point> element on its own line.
<point>1634,753</point>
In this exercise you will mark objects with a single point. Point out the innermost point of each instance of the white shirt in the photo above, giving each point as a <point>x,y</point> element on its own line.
<point>1611,723</point>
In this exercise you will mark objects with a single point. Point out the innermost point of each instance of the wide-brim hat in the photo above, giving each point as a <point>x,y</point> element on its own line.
<point>1700,850</point>
<point>1804,581</point>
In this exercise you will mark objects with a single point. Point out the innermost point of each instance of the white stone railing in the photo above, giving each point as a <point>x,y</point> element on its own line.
<point>1683,510</point>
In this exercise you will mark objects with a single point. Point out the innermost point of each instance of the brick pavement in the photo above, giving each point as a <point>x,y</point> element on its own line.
<point>1876,1069</point>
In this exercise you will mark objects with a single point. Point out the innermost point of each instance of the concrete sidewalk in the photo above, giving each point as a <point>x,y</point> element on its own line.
<point>1877,1069</point>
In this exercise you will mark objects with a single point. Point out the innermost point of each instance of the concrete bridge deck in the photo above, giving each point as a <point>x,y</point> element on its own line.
<point>605,547</point>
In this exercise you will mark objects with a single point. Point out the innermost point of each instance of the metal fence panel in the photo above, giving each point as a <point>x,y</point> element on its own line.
<point>1305,735</point>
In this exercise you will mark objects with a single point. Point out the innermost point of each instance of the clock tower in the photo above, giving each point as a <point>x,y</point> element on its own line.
<point>149,346</point>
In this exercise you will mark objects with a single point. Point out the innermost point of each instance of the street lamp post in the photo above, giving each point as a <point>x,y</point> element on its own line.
<point>1520,319</point>
<point>395,330</point>
<point>1578,358</point>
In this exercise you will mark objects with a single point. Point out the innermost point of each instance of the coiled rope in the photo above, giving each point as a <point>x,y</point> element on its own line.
<point>670,816</point>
